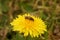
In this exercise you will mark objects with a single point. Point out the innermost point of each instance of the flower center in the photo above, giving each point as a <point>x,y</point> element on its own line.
<point>29,21</point>
<point>29,18</point>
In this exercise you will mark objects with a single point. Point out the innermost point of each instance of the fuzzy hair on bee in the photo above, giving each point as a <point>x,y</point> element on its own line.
<point>30,18</point>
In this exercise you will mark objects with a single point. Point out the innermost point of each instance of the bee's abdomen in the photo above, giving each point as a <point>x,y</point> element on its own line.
<point>29,18</point>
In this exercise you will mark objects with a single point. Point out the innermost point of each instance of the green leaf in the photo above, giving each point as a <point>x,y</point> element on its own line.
<point>18,37</point>
<point>27,7</point>
<point>4,5</point>
<point>3,20</point>
<point>42,15</point>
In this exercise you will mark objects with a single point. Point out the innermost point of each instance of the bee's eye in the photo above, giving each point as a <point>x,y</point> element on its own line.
<point>30,18</point>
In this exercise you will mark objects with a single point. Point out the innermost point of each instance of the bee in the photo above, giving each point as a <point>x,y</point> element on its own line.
<point>30,18</point>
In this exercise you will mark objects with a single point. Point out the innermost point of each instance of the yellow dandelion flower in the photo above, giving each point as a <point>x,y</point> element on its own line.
<point>29,25</point>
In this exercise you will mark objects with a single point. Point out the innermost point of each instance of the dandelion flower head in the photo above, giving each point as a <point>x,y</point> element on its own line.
<point>29,25</point>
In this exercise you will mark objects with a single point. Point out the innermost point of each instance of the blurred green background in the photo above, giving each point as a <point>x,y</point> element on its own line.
<point>48,10</point>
